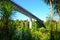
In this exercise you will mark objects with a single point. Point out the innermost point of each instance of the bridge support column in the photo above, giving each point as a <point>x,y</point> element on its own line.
<point>30,25</point>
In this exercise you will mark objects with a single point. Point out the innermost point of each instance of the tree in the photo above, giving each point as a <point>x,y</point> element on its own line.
<point>57,11</point>
<point>56,7</point>
<point>6,11</point>
<point>50,3</point>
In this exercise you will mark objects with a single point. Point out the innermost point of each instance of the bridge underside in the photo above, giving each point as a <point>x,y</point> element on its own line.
<point>30,15</point>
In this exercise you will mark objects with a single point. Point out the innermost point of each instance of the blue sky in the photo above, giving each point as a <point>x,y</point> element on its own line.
<point>36,7</point>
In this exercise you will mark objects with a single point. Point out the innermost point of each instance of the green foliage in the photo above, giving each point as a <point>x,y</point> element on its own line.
<point>19,30</point>
<point>6,12</point>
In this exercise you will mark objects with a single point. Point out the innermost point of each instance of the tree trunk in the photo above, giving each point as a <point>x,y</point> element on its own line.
<point>6,29</point>
<point>56,30</point>
<point>51,37</point>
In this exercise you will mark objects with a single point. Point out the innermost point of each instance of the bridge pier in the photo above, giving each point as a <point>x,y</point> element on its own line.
<point>30,23</point>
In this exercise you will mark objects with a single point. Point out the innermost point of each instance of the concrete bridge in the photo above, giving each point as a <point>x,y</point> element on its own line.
<point>27,13</point>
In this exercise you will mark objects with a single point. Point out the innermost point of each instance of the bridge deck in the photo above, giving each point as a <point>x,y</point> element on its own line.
<point>27,13</point>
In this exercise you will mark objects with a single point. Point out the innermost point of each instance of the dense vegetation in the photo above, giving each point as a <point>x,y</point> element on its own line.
<point>19,30</point>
